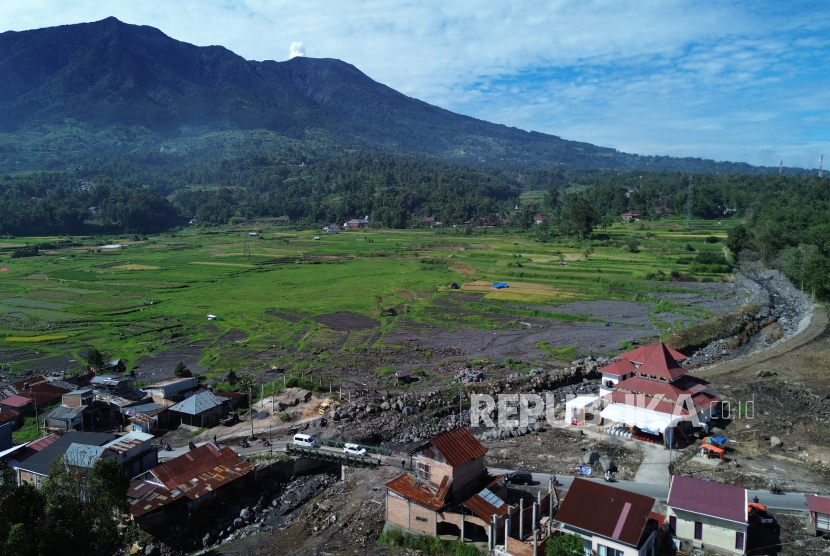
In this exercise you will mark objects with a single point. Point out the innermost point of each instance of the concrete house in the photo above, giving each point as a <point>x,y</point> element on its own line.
<point>819,507</point>
<point>449,492</point>
<point>610,521</point>
<point>171,391</point>
<point>200,409</point>
<point>134,452</point>
<point>706,514</point>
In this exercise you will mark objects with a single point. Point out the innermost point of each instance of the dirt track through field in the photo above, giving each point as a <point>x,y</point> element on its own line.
<point>817,326</point>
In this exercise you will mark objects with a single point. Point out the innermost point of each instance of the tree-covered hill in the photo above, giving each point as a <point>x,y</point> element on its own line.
<point>68,93</point>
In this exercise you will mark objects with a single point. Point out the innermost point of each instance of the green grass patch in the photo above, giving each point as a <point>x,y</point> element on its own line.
<point>427,545</point>
<point>565,353</point>
<point>27,433</point>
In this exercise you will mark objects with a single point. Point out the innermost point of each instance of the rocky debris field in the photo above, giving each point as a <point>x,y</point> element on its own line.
<point>781,311</point>
<point>560,451</point>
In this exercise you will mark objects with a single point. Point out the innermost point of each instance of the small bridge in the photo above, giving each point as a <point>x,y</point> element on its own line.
<point>332,456</point>
<point>340,443</point>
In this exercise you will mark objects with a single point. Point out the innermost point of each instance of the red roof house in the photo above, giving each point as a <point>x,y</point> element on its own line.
<point>608,517</point>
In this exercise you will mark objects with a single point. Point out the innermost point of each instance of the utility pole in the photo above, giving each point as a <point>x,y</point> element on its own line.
<point>780,166</point>
<point>37,421</point>
<point>821,166</point>
<point>460,406</point>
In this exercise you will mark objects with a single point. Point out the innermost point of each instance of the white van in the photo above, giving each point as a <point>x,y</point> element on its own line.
<point>305,440</point>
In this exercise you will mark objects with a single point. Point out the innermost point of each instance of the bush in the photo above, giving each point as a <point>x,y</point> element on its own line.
<point>428,545</point>
<point>565,545</point>
<point>712,239</point>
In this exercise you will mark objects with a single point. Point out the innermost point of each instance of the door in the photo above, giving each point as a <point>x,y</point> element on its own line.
<point>672,524</point>
<point>698,530</point>
<point>739,540</point>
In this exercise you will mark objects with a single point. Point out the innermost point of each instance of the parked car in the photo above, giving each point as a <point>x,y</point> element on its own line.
<point>354,450</point>
<point>519,478</point>
<point>305,440</point>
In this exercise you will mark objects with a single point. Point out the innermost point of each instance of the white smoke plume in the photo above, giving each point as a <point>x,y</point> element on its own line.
<point>297,49</point>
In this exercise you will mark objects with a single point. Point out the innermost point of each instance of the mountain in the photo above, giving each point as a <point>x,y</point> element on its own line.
<point>110,85</point>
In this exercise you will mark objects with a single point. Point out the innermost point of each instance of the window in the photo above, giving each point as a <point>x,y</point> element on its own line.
<point>419,518</point>
<point>739,540</point>
<point>672,524</point>
<point>698,531</point>
<point>608,551</point>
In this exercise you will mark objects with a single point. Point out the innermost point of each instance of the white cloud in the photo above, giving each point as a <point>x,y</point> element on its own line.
<point>726,80</point>
<point>296,49</point>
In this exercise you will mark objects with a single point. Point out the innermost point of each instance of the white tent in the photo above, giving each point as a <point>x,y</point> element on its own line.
<point>575,408</point>
<point>644,419</point>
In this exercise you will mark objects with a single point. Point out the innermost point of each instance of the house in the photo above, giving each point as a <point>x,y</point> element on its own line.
<point>707,514</point>
<point>17,403</point>
<point>449,492</point>
<point>648,392</point>
<point>20,453</point>
<point>200,409</point>
<point>405,376</point>
<point>158,414</point>
<point>35,469</point>
<point>112,384</point>
<point>115,366</point>
<point>631,215</point>
<point>819,508</point>
<point>8,419</point>
<point>331,229</point>
<point>171,391</point>
<point>185,483</point>
<point>538,219</point>
<point>134,452</point>
<point>355,223</point>
<point>65,418</point>
<point>610,521</point>
<point>79,398</point>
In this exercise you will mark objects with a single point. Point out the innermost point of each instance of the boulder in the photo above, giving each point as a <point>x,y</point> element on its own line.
<point>245,514</point>
<point>775,442</point>
<point>275,502</point>
<point>385,406</point>
<point>206,540</point>
<point>407,410</point>
<point>590,457</point>
<point>607,463</point>
<point>238,523</point>
<point>152,550</point>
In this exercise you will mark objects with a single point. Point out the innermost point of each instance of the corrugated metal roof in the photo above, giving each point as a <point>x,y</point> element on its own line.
<point>418,491</point>
<point>66,413</point>
<point>708,498</point>
<point>82,455</point>
<point>108,380</point>
<point>15,401</point>
<point>818,504</point>
<point>128,441</point>
<point>198,403</point>
<point>42,461</point>
<point>146,497</point>
<point>173,385</point>
<point>143,420</point>
<point>8,415</point>
<point>202,470</point>
<point>458,446</point>
<point>485,504</point>
<point>607,511</point>
<point>147,408</point>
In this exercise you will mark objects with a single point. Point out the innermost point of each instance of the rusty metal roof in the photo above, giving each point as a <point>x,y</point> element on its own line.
<point>458,446</point>
<point>418,491</point>
<point>607,511</point>
<point>143,419</point>
<point>147,497</point>
<point>202,470</point>
<point>15,401</point>
<point>8,415</point>
<point>484,504</point>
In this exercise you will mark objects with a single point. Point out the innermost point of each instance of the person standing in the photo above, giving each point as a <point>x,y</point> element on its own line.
<point>403,464</point>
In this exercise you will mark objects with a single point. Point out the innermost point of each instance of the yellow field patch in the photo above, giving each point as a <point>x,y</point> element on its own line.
<point>33,339</point>
<point>239,265</point>
<point>541,297</point>
<point>466,270</point>
<point>518,291</point>
<point>135,267</point>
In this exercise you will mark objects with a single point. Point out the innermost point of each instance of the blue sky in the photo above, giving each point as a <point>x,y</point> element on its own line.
<point>742,81</point>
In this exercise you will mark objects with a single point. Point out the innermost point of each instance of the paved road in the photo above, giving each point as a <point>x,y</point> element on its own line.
<point>790,501</point>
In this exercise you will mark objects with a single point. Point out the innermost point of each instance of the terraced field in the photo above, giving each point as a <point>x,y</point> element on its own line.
<point>148,301</point>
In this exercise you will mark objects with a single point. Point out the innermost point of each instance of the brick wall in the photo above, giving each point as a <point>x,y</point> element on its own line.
<point>409,515</point>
